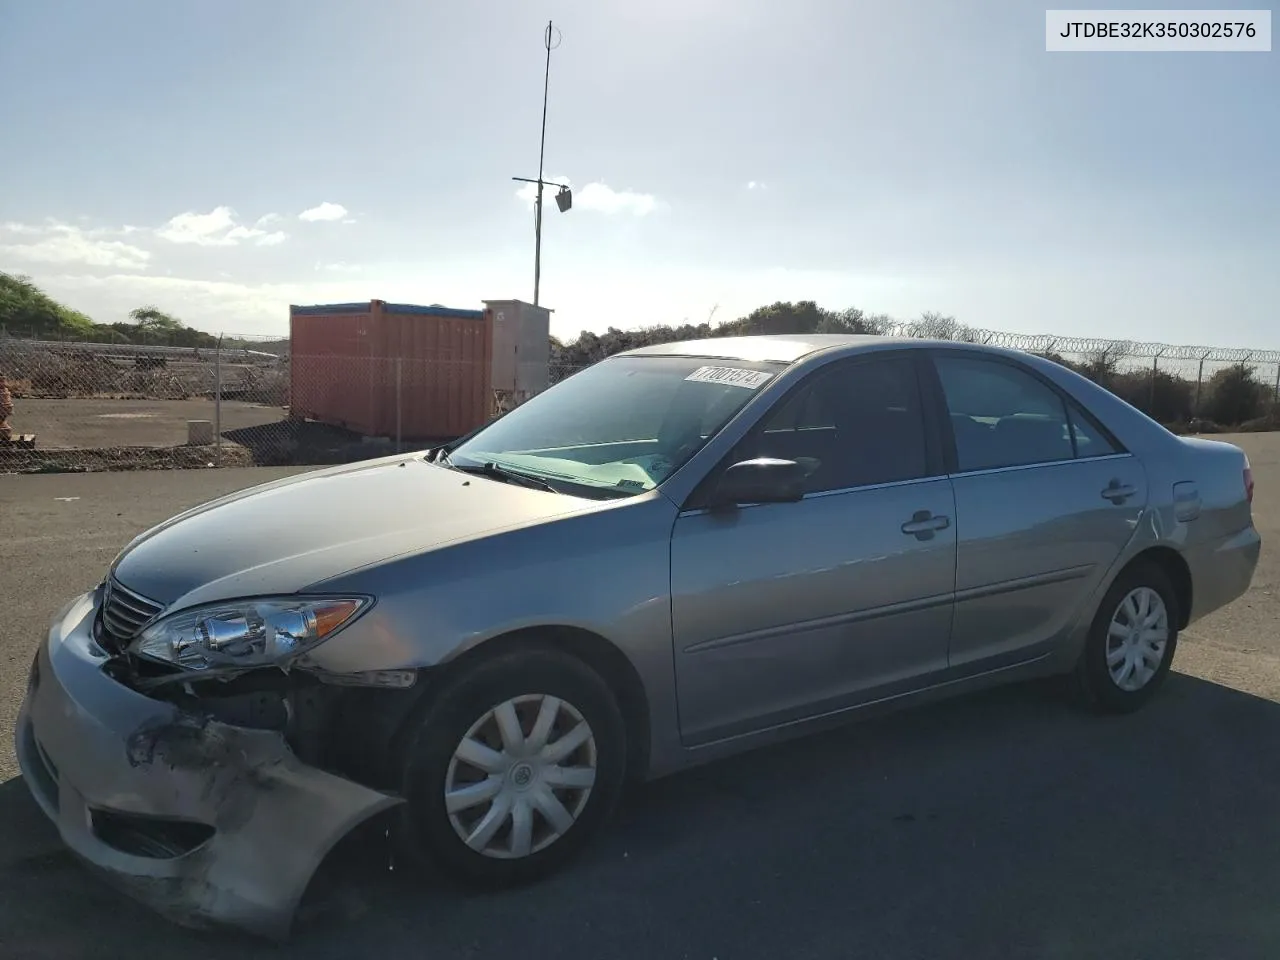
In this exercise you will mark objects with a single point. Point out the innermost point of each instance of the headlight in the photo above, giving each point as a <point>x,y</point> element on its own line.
<point>245,633</point>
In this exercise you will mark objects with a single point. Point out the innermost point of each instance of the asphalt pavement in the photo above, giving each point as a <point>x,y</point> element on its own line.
<point>1008,824</point>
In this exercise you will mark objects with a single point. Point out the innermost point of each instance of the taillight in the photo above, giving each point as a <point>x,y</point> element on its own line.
<point>1248,482</point>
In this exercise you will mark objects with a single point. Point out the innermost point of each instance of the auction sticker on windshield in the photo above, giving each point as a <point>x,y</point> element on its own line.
<point>732,376</point>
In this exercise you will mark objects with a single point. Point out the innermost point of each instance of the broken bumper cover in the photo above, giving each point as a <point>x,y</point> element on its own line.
<point>209,824</point>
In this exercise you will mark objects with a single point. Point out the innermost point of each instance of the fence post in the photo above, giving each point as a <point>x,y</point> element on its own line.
<point>1199,384</point>
<point>1275,391</point>
<point>1155,368</point>
<point>399,404</point>
<point>217,402</point>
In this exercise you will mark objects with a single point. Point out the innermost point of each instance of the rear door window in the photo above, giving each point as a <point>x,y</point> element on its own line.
<point>1002,416</point>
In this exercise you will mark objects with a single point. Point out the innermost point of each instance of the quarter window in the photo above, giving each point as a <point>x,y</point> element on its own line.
<point>1090,441</point>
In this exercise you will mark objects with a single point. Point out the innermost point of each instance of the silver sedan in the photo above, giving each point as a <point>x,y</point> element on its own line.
<point>679,553</point>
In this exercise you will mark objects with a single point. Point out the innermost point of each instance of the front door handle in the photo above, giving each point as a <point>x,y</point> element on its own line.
<point>924,524</point>
<point>1118,492</point>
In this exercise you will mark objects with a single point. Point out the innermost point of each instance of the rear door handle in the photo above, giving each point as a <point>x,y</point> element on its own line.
<point>1118,492</point>
<point>924,524</point>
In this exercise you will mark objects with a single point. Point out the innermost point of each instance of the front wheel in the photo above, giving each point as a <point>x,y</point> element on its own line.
<point>515,766</point>
<point>1131,642</point>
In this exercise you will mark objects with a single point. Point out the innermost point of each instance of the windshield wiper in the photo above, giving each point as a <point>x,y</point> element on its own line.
<point>498,472</point>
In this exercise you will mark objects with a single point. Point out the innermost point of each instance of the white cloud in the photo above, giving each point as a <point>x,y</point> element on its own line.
<point>267,219</point>
<point>325,211</point>
<point>597,197</point>
<point>205,229</point>
<point>260,237</point>
<point>63,243</point>
<point>218,228</point>
<point>756,185</point>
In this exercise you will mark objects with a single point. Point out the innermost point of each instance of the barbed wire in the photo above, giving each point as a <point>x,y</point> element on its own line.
<point>1087,346</point>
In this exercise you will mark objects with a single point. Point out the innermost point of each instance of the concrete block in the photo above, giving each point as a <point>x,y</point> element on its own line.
<point>199,432</point>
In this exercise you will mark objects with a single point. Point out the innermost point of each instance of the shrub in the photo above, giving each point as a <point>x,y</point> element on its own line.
<point>1235,395</point>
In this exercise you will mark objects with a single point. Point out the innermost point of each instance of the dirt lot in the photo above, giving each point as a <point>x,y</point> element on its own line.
<point>1006,825</point>
<point>89,424</point>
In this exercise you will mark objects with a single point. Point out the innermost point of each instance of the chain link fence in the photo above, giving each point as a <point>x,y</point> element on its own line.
<point>1185,387</point>
<point>247,400</point>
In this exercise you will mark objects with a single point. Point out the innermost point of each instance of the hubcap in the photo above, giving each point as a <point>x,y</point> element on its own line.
<point>1136,639</point>
<point>521,776</point>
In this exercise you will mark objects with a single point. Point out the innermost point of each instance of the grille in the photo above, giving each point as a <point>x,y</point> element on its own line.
<point>124,613</point>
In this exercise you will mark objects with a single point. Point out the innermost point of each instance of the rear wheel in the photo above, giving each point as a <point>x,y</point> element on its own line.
<point>1131,641</point>
<point>513,769</point>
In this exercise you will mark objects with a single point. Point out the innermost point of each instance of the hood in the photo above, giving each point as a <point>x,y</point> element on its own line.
<point>281,537</point>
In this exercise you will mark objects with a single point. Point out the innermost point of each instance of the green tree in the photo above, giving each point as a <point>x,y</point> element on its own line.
<point>1101,366</point>
<point>26,310</point>
<point>851,320</point>
<point>778,318</point>
<point>153,325</point>
<point>154,320</point>
<point>786,318</point>
<point>1235,395</point>
<point>1157,393</point>
<point>936,326</point>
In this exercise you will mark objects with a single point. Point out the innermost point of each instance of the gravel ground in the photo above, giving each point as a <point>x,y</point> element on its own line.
<point>87,424</point>
<point>1002,825</point>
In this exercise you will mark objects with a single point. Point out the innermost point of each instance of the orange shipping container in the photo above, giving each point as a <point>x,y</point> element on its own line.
<point>391,369</point>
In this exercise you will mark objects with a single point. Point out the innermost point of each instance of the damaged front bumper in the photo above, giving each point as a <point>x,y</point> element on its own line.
<point>206,822</point>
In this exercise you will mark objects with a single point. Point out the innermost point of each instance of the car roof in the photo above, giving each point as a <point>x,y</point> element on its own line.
<point>773,347</point>
<point>777,347</point>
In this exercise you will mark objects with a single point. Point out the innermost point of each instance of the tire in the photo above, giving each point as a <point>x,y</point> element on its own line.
<point>533,683</point>
<point>1110,692</point>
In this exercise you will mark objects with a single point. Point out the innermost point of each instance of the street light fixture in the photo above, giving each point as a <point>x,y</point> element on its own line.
<point>564,196</point>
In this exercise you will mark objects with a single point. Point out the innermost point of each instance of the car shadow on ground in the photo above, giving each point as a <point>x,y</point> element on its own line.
<point>1006,824</point>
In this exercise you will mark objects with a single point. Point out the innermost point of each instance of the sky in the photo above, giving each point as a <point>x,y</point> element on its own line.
<point>223,160</point>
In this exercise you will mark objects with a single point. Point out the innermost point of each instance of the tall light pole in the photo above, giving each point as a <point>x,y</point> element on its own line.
<point>564,196</point>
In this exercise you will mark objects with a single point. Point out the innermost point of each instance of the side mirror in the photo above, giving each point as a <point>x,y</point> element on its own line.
<point>762,480</point>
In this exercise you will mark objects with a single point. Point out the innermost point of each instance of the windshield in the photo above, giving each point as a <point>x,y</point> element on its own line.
<point>620,427</point>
